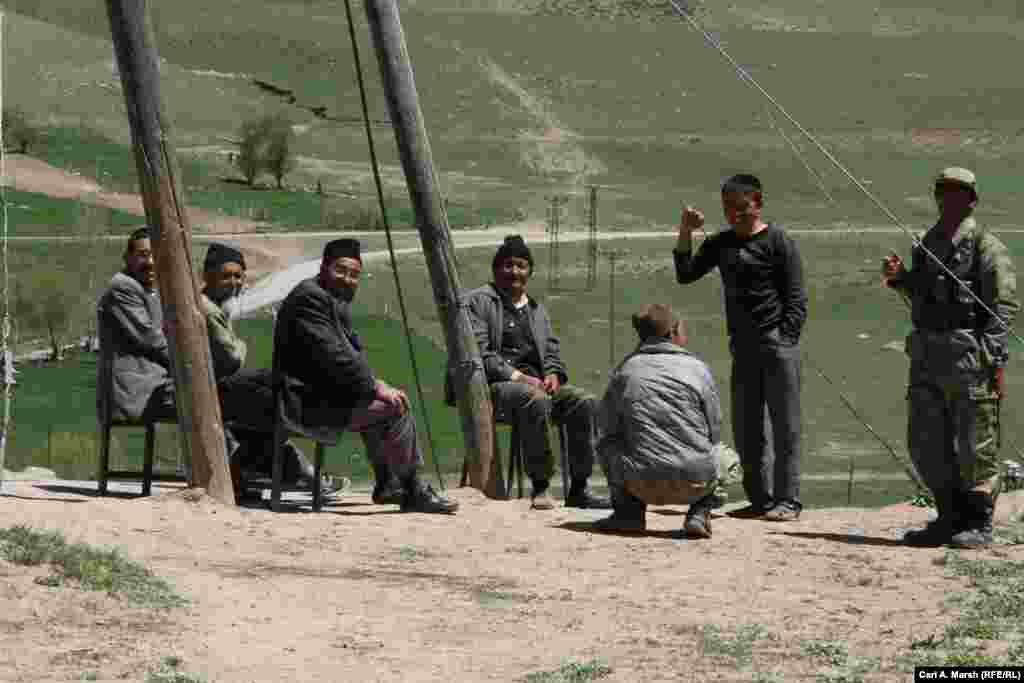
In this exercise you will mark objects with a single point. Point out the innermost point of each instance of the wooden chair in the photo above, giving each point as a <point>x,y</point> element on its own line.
<point>517,462</point>
<point>147,475</point>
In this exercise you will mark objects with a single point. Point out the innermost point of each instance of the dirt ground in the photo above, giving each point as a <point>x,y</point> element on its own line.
<point>362,593</point>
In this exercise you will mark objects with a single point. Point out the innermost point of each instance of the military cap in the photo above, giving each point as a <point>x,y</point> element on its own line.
<point>955,174</point>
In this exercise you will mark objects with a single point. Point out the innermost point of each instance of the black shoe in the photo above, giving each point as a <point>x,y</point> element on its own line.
<point>422,498</point>
<point>698,518</point>
<point>749,512</point>
<point>951,519</point>
<point>622,523</point>
<point>389,493</point>
<point>978,511</point>
<point>584,499</point>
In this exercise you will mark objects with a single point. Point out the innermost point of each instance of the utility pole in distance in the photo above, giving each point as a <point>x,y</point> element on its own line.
<point>554,225</point>
<point>592,238</point>
<point>613,256</point>
<point>471,390</point>
<point>199,420</point>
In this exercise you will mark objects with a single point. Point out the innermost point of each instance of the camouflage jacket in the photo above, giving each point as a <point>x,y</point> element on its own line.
<point>227,349</point>
<point>940,304</point>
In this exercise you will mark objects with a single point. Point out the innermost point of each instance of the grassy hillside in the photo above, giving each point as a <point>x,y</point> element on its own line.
<point>523,96</point>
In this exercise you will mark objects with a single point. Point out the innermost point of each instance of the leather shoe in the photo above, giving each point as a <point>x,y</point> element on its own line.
<point>586,500</point>
<point>617,522</point>
<point>423,498</point>
<point>388,493</point>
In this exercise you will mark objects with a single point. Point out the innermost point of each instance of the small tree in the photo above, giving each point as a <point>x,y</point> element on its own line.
<point>266,146</point>
<point>43,304</point>
<point>280,155</point>
<point>19,133</point>
<point>251,157</point>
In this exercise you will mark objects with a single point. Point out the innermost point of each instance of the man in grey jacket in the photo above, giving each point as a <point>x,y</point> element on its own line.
<point>134,379</point>
<point>528,378</point>
<point>660,423</point>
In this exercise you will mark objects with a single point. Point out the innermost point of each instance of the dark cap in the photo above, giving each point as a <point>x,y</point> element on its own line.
<point>743,183</point>
<point>513,247</point>
<point>654,320</point>
<point>218,254</point>
<point>346,247</point>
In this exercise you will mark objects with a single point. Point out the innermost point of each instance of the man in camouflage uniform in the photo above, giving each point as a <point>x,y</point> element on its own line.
<point>958,351</point>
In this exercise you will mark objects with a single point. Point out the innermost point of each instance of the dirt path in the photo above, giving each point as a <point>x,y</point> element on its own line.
<point>358,593</point>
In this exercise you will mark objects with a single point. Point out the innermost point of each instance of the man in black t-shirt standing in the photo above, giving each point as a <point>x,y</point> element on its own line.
<point>765,309</point>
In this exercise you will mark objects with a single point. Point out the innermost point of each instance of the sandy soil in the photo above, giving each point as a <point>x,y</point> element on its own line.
<point>360,593</point>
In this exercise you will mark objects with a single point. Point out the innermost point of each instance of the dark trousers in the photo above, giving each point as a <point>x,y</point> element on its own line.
<point>768,441</point>
<point>531,408</point>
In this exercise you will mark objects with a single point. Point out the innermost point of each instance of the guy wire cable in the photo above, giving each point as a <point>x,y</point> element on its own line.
<point>391,246</point>
<point>748,78</point>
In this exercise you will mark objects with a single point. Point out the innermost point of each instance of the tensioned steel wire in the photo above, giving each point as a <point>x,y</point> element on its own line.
<point>686,13</point>
<point>391,246</point>
<point>5,324</point>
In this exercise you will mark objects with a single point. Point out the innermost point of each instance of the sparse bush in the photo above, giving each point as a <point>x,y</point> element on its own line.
<point>740,648</point>
<point>168,673</point>
<point>572,672</point>
<point>93,568</point>
<point>20,134</point>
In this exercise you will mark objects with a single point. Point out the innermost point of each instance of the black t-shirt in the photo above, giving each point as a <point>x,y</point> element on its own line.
<point>763,279</point>
<point>517,344</point>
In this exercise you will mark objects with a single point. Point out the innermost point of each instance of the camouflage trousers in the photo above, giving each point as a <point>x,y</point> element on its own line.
<point>953,430</point>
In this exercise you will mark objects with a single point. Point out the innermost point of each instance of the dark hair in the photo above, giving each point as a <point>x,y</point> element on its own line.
<point>654,320</point>
<point>743,183</point>
<point>139,234</point>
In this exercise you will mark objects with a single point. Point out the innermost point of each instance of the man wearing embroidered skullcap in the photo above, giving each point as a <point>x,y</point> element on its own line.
<point>246,394</point>
<point>962,290</point>
<point>528,379</point>
<point>328,385</point>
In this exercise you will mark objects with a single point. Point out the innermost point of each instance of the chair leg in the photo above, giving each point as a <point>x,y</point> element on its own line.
<point>563,447</point>
<point>516,456</point>
<point>104,464</point>
<point>318,463</point>
<point>276,468</point>
<point>147,460</point>
<point>465,474</point>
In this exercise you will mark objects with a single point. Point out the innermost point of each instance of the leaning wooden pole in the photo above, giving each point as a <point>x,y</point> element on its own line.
<point>471,390</point>
<point>199,420</point>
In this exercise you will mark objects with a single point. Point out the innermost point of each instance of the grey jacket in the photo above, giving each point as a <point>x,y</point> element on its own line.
<point>486,313</point>
<point>661,412</point>
<point>134,358</point>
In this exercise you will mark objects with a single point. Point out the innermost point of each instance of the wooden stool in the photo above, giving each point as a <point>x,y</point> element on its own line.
<point>105,474</point>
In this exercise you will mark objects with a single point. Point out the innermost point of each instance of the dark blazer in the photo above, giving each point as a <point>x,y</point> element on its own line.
<point>320,367</point>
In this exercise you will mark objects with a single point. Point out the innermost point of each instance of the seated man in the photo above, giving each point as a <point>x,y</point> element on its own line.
<point>134,361</point>
<point>660,423</point>
<point>528,379</point>
<point>246,395</point>
<point>327,383</point>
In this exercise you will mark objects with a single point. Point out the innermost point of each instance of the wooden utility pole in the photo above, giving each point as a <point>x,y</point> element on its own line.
<point>199,420</point>
<point>471,390</point>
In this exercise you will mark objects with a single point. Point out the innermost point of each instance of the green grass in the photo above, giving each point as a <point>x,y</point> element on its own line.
<point>32,213</point>
<point>740,648</point>
<point>168,672</point>
<point>95,569</point>
<point>572,672</point>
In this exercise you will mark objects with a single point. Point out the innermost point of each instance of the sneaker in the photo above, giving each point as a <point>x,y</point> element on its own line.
<point>783,512</point>
<point>617,522</point>
<point>423,498</point>
<point>748,512</point>
<point>586,500</point>
<point>542,501</point>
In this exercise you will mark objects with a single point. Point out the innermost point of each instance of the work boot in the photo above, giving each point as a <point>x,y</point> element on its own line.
<point>978,509</point>
<point>420,497</point>
<point>387,490</point>
<point>629,516</point>
<point>580,496</point>
<point>939,531</point>
<point>698,518</point>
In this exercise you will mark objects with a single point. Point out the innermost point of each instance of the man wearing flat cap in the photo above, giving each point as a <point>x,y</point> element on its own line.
<point>660,423</point>
<point>328,385</point>
<point>528,378</point>
<point>962,290</point>
<point>246,394</point>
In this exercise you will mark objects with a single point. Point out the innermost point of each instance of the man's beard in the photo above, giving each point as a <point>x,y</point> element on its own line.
<point>231,302</point>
